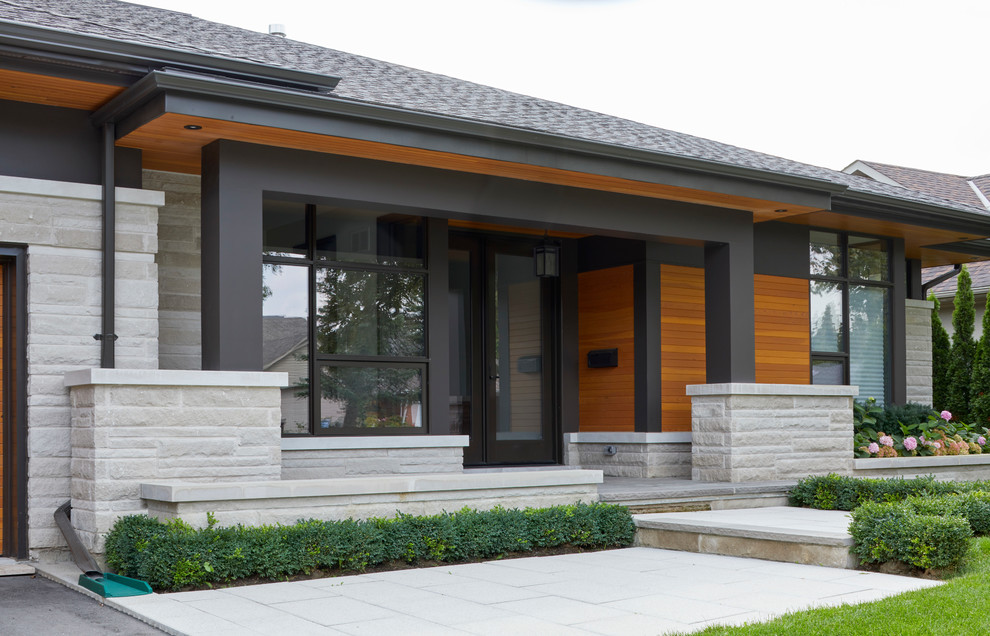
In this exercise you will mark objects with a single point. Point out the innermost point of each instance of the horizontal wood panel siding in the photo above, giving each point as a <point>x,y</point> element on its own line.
<point>682,341</point>
<point>606,397</point>
<point>783,337</point>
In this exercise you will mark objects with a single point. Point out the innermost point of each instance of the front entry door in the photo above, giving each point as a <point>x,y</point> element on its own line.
<point>502,351</point>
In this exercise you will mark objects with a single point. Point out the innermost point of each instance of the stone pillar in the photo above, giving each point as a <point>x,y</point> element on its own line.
<point>918,361</point>
<point>763,432</point>
<point>133,426</point>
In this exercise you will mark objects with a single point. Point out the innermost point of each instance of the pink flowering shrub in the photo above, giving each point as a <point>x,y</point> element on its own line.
<point>939,435</point>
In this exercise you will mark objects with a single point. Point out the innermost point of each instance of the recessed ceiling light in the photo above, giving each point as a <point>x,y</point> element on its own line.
<point>193,127</point>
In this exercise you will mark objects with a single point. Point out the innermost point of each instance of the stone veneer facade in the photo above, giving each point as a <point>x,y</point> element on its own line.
<point>328,457</point>
<point>178,259</point>
<point>760,432</point>
<point>60,223</point>
<point>918,332</point>
<point>134,426</point>
<point>640,455</point>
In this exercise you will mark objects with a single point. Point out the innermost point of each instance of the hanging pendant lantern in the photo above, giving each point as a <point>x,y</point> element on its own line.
<point>546,260</point>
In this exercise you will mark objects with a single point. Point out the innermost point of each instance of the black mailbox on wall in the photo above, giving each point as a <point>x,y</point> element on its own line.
<point>602,358</point>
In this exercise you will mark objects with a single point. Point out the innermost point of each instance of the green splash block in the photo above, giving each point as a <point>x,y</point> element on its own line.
<point>110,585</point>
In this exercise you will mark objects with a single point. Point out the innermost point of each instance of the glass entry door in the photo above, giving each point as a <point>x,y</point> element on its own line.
<point>502,351</point>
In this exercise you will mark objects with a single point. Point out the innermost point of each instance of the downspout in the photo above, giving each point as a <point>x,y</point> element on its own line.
<point>942,277</point>
<point>107,337</point>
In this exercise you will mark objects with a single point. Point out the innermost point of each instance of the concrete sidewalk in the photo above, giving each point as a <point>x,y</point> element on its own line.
<point>623,592</point>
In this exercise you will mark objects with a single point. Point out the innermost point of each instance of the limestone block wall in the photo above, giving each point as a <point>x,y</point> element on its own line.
<point>760,432</point>
<point>132,426</point>
<point>328,457</point>
<point>60,223</point>
<point>288,501</point>
<point>918,368</point>
<point>947,467</point>
<point>642,455</point>
<point>178,259</point>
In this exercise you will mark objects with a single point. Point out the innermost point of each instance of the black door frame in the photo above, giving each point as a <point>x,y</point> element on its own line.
<point>14,384</point>
<point>484,448</point>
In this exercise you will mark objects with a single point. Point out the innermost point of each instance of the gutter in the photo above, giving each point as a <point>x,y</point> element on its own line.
<point>159,81</point>
<point>888,207</point>
<point>107,338</point>
<point>952,273</point>
<point>85,48</point>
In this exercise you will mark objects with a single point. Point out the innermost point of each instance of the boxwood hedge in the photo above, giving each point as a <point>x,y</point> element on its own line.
<point>837,492</point>
<point>921,521</point>
<point>173,555</point>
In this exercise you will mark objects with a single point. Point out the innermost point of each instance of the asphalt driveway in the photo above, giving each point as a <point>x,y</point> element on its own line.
<point>31,605</point>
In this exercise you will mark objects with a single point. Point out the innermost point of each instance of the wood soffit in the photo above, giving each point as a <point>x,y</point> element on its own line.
<point>19,86</point>
<point>167,145</point>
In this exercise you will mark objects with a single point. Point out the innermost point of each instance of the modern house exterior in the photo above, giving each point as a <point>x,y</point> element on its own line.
<point>261,278</point>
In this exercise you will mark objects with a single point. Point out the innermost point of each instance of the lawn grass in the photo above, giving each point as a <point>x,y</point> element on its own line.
<point>959,606</point>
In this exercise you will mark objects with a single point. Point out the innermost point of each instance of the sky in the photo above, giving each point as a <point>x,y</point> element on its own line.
<point>825,82</point>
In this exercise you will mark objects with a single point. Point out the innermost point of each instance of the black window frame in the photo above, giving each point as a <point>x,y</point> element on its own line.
<point>844,280</point>
<point>316,360</point>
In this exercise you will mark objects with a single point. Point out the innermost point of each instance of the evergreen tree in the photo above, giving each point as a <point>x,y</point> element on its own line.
<point>979,404</point>
<point>940,358</point>
<point>963,348</point>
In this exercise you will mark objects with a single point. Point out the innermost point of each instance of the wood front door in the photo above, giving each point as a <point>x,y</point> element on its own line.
<point>503,344</point>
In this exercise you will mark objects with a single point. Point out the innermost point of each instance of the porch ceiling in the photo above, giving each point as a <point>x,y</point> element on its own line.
<point>167,145</point>
<point>917,239</point>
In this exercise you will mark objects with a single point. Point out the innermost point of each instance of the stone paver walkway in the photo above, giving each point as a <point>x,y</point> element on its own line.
<point>624,592</point>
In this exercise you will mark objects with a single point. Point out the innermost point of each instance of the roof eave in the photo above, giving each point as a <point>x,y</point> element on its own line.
<point>158,82</point>
<point>87,47</point>
<point>912,212</point>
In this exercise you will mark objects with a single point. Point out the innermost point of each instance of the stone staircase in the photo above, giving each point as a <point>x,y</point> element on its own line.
<point>684,495</point>
<point>794,535</point>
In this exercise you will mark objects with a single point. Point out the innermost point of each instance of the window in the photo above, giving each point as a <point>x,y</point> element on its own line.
<point>850,312</point>
<point>345,316</point>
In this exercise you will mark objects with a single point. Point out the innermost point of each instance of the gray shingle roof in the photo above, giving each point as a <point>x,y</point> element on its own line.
<point>383,83</point>
<point>946,186</point>
<point>281,336</point>
<point>979,273</point>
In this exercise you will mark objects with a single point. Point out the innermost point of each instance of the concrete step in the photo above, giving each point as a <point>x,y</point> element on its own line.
<point>644,496</point>
<point>10,567</point>
<point>794,535</point>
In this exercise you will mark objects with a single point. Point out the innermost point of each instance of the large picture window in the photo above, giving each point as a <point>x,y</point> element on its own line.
<point>850,312</point>
<point>345,316</point>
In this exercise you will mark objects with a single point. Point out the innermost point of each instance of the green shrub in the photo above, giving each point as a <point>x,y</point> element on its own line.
<point>974,507</point>
<point>909,419</point>
<point>941,349</point>
<point>837,492</point>
<point>895,532</point>
<point>173,555</point>
<point>960,371</point>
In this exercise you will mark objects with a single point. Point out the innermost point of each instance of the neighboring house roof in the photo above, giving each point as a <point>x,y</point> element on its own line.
<point>967,190</point>
<point>979,273</point>
<point>383,83</point>
<point>972,191</point>
<point>281,336</point>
